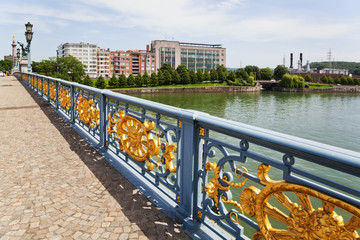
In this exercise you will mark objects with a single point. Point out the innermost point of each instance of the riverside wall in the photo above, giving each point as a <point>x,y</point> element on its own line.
<point>205,89</point>
<point>334,89</point>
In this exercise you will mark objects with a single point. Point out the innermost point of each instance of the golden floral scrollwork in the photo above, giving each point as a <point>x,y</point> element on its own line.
<point>87,111</point>
<point>64,98</point>
<point>135,138</point>
<point>45,88</point>
<point>199,213</point>
<point>300,220</point>
<point>39,84</point>
<point>52,92</point>
<point>202,131</point>
<point>168,156</point>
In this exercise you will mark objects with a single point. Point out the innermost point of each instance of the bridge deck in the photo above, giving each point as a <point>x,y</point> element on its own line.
<point>55,186</point>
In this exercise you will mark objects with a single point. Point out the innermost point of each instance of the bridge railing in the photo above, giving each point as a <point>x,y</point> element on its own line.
<point>220,178</point>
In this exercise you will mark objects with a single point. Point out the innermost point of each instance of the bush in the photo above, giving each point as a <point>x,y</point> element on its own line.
<point>292,81</point>
<point>87,81</point>
<point>308,78</point>
<point>343,80</point>
<point>324,79</point>
<point>122,82</point>
<point>113,82</point>
<point>356,81</point>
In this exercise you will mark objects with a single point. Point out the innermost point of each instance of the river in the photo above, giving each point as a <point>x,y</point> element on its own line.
<point>328,118</point>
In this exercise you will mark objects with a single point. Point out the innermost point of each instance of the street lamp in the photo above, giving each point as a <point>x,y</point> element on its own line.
<point>29,36</point>
<point>18,58</point>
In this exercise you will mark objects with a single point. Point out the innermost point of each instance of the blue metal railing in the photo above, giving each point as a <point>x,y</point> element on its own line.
<point>213,174</point>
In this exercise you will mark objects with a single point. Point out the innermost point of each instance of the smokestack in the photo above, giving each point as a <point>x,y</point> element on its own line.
<point>147,48</point>
<point>291,60</point>
<point>301,59</point>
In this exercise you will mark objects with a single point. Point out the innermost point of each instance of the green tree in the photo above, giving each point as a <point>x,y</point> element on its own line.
<point>350,81</point>
<point>193,76</point>
<point>221,76</point>
<point>146,79</point>
<point>113,82</point>
<point>166,67</point>
<point>167,77</point>
<point>253,69</point>
<point>122,81</point>
<point>87,81</point>
<point>308,78</point>
<point>221,68</point>
<point>154,80</point>
<point>138,80</point>
<point>356,81</point>
<point>241,74</point>
<point>161,78</point>
<point>175,77</point>
<point>337,80</point>
<point>184,74</point>
<point>206,76</point>
<point>5,65</point>
<point>200,76</point>
<point>130,81</point>
<point>70,66</point>
<point>343,80</point>
<point>266,74</point>
<point>330,80</point>
<point>292,81</point>
<point>100,82</point>
<point>231,76</point>
<point>324,79</point>
<point>279,71</point>
<point>213,75</point>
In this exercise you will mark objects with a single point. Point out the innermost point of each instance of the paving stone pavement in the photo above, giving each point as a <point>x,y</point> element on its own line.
<point>53,185</point>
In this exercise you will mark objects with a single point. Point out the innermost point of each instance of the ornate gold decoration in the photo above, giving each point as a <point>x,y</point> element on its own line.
<point>87,111</point>
<point>179,124</point>
<point>169,157</point>
<point>39,84</point>
<point>64,98</point>
<point>202,132</point>
<point>52,92</point>
<point>302,221</point>
<point>135,137</point>
<point>45,88</point>
<point>178,199</point>
<point>199,213</point>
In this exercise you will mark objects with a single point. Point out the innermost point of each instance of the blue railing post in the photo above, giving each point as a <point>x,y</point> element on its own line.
<point>42,86</point>
<point>189,168</point>
<point>48,90</point>
<point>103,122</point>
<point>57,95</point>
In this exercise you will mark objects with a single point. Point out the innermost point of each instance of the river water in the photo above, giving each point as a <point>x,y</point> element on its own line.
<point>328,118</point>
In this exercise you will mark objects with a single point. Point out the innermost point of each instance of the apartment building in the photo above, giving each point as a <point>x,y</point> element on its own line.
<point>120,63</point>
<point>86,53</point>
<point>103,62</point>
<point>194,55</point>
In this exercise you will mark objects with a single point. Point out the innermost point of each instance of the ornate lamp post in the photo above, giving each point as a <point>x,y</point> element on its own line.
<point>18,58</point>
<point>29,36</point>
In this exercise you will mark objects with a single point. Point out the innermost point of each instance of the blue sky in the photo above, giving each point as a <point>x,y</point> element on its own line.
<point>257,32</point>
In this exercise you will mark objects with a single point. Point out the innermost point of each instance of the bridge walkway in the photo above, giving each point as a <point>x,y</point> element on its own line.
<point>55,186</point>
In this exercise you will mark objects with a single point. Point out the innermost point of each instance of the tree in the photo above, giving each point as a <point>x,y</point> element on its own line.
<point>266,74</point>
<point>184,74</point>
<point>167,77</point>
<point>324,79</point>
<point>146,79</point>
<point>200,76</point>
<point>330,80</point>
<point>350,81</point>
<point>337,80</point>
<point>100,82</point>
<point>241,74</point>
<point>122,81</point>
<point>343,80</point>
<point>130,81</point>
<point>70,66</point>
<point>308,78</point>
<point>292,81</point>
<point>5,65</point>
<point>138,80</point>
<point>279,71</point>
<point>154,80</point>
<point>113,82</point>
<point>213,75</point>
<point>175,77</point>
<point>231,76</point>
<point>87,81</point>
<point>166,67</point>
<point>253,69</point>
<point>193,76</point>
<point>206,76</point>
<point>161,78</point>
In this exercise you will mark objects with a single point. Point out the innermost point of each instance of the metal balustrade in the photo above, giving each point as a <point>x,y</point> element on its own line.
<point>221,179</point>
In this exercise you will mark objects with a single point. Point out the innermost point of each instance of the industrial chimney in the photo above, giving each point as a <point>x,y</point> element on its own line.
<point>291,60</point>
<point>301,59</point>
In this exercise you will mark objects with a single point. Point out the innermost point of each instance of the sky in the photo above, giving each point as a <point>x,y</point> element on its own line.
<point>254,32</point>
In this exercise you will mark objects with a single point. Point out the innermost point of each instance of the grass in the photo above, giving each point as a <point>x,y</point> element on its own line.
<point>173,86</point>
<point>319,85</point>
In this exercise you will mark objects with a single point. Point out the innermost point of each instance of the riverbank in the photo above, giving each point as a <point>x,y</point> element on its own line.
<point>334,89</point>
<point>205,89</point>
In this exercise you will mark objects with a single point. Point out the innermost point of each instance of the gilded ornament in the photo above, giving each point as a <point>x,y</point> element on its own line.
<point>87,111</point>
<point>52,92</point>
<point>168,156</point>
<point>199,213</point>
<point>39,84</point>
<point>135,137</point>
<point>202,131</point>
<point>64,98</point>
<point>302,221</point>
<point>45,88</point>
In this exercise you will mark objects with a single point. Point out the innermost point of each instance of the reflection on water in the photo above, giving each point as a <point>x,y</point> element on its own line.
<point>328,118</point>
